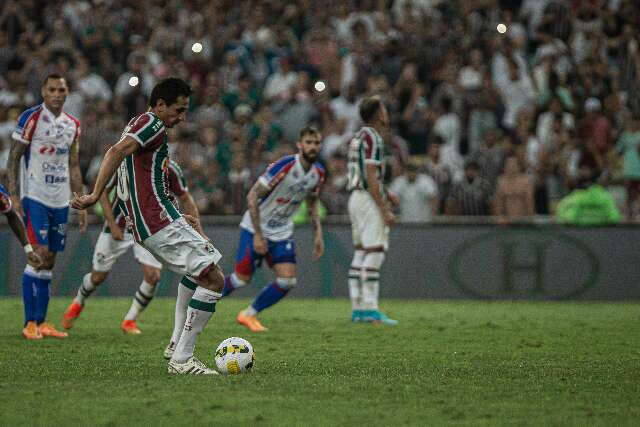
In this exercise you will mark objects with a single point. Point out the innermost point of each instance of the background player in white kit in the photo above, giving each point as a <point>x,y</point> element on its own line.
<point>115,240</point>
<point>267,226</point>
<point>369,211</point>
<point>45,154</point>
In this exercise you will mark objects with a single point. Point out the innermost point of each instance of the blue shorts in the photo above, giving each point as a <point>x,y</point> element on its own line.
<point>247,260</point>
<point>45,226</point>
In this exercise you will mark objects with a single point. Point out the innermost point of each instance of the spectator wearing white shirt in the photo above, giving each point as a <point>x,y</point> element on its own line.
<point>517,93</point>
<point>418,195</point>
<point>280,83</point>
<point>448,126</point>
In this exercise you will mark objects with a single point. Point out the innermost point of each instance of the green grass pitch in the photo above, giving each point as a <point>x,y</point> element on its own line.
<point>458,363</point>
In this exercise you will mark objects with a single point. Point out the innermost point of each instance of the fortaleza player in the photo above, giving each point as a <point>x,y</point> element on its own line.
<point>45,153</point>
<point>267,228</point>
<point>369,211</point>
<point>115,240</point>
<point>141,158</point>
<point>17,227</point>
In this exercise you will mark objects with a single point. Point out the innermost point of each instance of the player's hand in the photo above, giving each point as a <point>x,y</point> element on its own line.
<point>116,232</point>
<point>389,217</point>
<point>34,260</point>
<point>393,198</point>
<point>17,205</point>
<point>191,221</point>
<point>259,244</point>
<point>84,201</point>
<point>318,247</point>
<point>82,221</point>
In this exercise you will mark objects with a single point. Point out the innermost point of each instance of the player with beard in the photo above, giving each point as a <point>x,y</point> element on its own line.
<point>267,226</point>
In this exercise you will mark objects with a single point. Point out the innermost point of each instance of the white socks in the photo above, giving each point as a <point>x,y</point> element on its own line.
<point>370,276</point>
<point>141,300</point>
<point>85,290</point>
<point>355,285</point>
<point>201,308</point>
<point>186,288</point>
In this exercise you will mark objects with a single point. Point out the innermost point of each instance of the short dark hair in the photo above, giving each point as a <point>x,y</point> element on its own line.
<point>308,130</point>
<point>169,90</point>
<point>369,107</point>
<point>54,76</point>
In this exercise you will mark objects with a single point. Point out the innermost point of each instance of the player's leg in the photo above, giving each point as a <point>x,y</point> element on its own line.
<point>356,215</point>
<point>182,249</point>
<point>355,283</point>
<point>186,289</point>
<point>151,268</point>
<point>105,254</point>
<point>57,234</point>
<point>375,240</point>
<point>282,257</point>
<point>245,264</point>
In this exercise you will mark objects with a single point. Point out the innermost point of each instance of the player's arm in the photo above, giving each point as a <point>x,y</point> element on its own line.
<point>107,209</point>
<point>18,229</point>
<point>312,207</point>
<point>112,159</point>
<point>15,154</point>
<point>258,191</point>
<point>189,207</point>
<point>370,171</point>
<point>76,180</point>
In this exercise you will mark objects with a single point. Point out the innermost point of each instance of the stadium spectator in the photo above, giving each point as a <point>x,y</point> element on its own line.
<point>472,195</point>
<point>418,194</point>
<point>514,197</point>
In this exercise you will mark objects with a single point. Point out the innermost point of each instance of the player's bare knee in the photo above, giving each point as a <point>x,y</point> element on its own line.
<point>98,277</point>
<point>213,279</point>
<point>286,283</point>
<point>151,275</point>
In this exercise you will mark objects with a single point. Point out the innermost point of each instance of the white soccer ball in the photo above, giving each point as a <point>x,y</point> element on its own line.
<point>234,356</point>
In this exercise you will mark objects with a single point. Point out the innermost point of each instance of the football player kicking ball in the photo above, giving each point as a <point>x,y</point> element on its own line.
<point>115,240</point>
<point>17,227</point>
<point>369,211</point>
<point>141,158</point>
<point>267,228</point>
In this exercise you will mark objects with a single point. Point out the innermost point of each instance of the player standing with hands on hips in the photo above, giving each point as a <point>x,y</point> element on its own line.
<point>45,154</point>
<point>369,211</point>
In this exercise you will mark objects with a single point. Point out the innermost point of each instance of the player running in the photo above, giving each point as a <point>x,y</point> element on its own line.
<point>267,228</point>
<point>45,154</point>
<point>17,227</point>
<point>369,211</point>
<point>115,240</point>
<point>141,158</point>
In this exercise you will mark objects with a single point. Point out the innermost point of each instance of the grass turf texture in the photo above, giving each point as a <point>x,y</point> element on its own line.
<point>474,363</point>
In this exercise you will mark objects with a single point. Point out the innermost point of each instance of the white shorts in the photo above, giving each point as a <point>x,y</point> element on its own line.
<point>182,249</point>
<point>108,250</point>
<point>367,226</point>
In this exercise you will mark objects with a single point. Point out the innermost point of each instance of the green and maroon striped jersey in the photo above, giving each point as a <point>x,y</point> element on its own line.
<point>366,146</point>
<point>143,179</point>
<point>177,187</point>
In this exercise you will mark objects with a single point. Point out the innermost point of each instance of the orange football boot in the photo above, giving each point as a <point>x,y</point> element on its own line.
<point>48,330</point>
<point>250,322</point>
<point>31,331</point>
<point>130,327</point>
<point>72,313</point>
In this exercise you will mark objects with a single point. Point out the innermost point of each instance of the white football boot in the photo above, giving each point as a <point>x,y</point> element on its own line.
<point>191,367</point>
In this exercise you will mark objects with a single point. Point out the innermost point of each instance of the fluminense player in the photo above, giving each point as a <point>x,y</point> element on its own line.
<point>141,158</point>
<point>45,154</point>
<point>115,240</point>
<point>369,211</point>
<point>267,227</point>
<point>14,221</point>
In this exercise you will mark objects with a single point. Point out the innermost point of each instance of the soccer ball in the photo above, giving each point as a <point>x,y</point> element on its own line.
<point>234,356</point>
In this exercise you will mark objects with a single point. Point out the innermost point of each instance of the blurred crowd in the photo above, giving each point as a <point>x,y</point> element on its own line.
<point>497,107</point>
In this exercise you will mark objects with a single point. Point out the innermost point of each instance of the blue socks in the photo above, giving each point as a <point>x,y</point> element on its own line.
<point>35,294</point>
<point>269,295</point>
